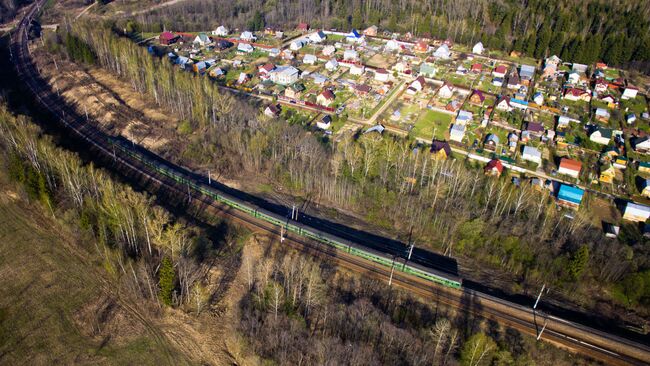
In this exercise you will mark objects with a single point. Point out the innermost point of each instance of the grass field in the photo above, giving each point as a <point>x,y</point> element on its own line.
<point>430,120</point>
<point>55,306</point>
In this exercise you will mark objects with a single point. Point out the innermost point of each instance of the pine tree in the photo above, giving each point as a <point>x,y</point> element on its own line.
<point>166,281</point>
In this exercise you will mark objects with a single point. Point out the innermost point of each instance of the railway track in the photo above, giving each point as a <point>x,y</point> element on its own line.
<point>610,349</point>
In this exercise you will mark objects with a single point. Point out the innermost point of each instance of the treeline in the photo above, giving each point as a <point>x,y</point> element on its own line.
<point>78,50</point>
<point>150,252</point>
<point>577,31</point>
<point>299,312</point>
<point>447,207</point>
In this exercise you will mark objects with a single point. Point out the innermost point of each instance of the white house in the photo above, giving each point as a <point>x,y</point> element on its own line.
<point>202,39</point>
<point>391,45</point>
<point>446,91</point>
<point>504,104</point>
<point>355,37</point>
<point>357,69</point>
<point>630,118</point>
<point>309,59</point>
<point>332,65</point>
<point>601,136</point>
<point>243,77</point>
<point>296,45</point>
<point>629,92</point>
<point>442,52</point>
<point>350,55</point>
<point>317,37</point>
<point>245,47</point>
<point>416,86</point>
<point>381,75</point>
<point>284,75</point>
<point>532,154</point>
<point>478,48</point>
<point>221,31</point>
<point>325,98</point>
<point>457,132</point>
<point>570,167</point>
<point>538,98</point>
<point>636,212</point>
<point>325,122</point>
<point>247,36</point>
<point>573,77</point>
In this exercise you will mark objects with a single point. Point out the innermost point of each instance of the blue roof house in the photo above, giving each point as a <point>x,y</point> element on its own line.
<point>569,196</point>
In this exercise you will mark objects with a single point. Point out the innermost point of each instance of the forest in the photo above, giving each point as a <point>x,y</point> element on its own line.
<point>617,33</point>
<point>513,237</point>
<point>293,309</point>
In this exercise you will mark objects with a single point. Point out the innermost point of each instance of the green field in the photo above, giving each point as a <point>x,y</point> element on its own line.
<point>429,122</point>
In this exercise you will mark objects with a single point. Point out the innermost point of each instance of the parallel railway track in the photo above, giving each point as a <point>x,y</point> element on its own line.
<point>612,350</point>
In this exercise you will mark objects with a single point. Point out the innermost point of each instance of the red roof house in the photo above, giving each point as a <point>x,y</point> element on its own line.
<point>494,167</point>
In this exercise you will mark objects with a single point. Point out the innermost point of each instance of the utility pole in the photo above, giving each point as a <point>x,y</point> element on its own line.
<point>281,233</point>
<point>539,334</point>
<point>189,196</point>
<point>392,270</point>
<point>209,178</point>
<point>408,258</point>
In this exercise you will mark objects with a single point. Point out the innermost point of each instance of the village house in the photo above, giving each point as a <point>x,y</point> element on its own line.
<point>629,92</point>
<point>636,212</point>
<point>608,99</point>
<point>500,71</point>
<point>464,117</point>
<point>620,162</point>
<point>442,52</point>
<point>446,91</point>
<point>535,128</point>
<point>513,139</point>
<point>600,86</point>
<point>294,91</point>
<point>644,167</point>
<point>641,144</point>
<point>362,89</point>
<point>416,86</point>
<point>392,45</point>
<point>607,173</point>
<point>325,98</point>
<point>332,65</point>
<point>355,37</point>
<point>272,110</point>
<point>317,37</point>
<point>602,115</point>
<point>371,31</point>
<point>477,97</point>
<point>478,48</point>
<point>570,197</point>
<point>168,38</point>
<point>513,80</point>
<point>244,48</point>
<point>518,103</point>
<point>421,46</point>
<point>216,72</point>
<point>601,136</point>
<point>530,153</point>
<point>440,150</point>
<point>356,69</point>
<point>247,36</point>
<point>202,40</point>
<point>284,75</point>
<point>538,98</point>
<point>297,44</point>
<point>309,59</point>
<point>427,69</point>
<point>221,31</point>
<point>575,94</point>
<point>265,69</point>
<point>325,122</point>
<point>504,104</point>
<point>645,187</point>
<point>493,168</point>
<point>350,55</point>
<point>491,142</point>
<point>497,82</point>
<point>381,75</point>
<point>526,73</point>
<point>329,50</point>
<point>630,118</point>
<point>476,68</point>
<point>302,27</point>
<point>573,77</point>
<point>457,132</point>
<point>570,167</point>
<point>243,78</point>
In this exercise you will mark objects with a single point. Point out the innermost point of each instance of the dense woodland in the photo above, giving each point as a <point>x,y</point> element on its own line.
<point>577,31</point>
<point>451,209</point>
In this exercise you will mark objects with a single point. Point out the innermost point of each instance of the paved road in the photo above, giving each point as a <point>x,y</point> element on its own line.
<point>597,344</point>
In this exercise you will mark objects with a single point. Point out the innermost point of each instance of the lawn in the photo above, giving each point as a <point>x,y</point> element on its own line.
<point>431,123</point>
